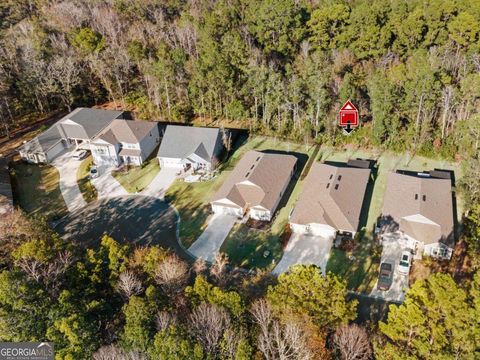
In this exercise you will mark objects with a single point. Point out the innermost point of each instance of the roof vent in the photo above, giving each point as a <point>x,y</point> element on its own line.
<point>252,166</point>
<point>339,177</point>
<point>416,196</point>
<point>258,158</point>
<point>336,187</point>
<point>424,197</point>
<point>247,174</point>
<point>331,176</point>
<point>328,185</point>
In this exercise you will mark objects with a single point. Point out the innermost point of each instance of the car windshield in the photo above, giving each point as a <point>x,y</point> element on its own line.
<point>404,263</point>
<point>93,171</point>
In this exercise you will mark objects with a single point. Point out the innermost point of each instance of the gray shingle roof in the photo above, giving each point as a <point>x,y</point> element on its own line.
<point>182,141</point>
<point>89,122</point>
<point>43,142</point>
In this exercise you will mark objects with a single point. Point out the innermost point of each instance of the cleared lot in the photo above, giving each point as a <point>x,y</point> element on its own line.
<point>305,249</point>
<point>392,250</point>
<point>209,243</point>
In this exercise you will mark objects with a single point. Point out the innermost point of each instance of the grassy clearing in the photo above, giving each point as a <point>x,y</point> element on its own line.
<point>36,190</point>
<point>87,189</point>
<point>362,270</point>
<point>136,178</point>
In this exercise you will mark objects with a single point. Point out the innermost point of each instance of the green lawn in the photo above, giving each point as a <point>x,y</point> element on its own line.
<point>136,178</point>
<point>36,190</point>
<point>192,201</point>
<point>362,270</point>
<point>89,192</point>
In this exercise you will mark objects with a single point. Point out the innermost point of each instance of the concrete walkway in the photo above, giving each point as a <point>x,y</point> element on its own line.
<point>67,167</point>
<point>305,249</point>
<point>106,185</point>
<point>160,183</point>
<point>208,244</point>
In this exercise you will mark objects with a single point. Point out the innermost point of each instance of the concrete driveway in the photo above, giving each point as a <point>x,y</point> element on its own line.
<point>106,185</point>
<point>393,245</point>
<point>208,244</point>
<point>161,183</point>
<point>67,167</point>
<point>305,249</point>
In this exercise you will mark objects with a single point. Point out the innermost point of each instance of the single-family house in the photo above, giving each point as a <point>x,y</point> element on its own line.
<point>190,147</point>
<point>125,142</point>
<point>255,186</point>
<point>78,127</point>
<point>419,207</point>
<point>332,199</point>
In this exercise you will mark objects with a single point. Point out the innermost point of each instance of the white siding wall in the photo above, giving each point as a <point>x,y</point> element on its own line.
<point>259,214</point>
<point>104,154</point>
<point>219,209</point>
<point>438,250</point>
<point>149,143</point>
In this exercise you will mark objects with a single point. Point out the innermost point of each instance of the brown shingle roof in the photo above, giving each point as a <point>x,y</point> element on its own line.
<point>332,195</point>
<point>258,180</point>
<point>431,198</point>
<point>127,131</point>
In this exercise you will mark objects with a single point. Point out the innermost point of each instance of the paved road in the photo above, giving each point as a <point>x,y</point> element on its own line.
<point>208,244</point>
<point>392,250</point>
<point>107,186</point>
<point>305,249</point>
<point>133,219</point>
<point>67,167</point>
<point>161,183</point>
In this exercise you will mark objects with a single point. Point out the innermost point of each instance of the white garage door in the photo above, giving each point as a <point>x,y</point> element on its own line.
<point>171,162</point>
<point>314,229</point>
<point>218,209</point>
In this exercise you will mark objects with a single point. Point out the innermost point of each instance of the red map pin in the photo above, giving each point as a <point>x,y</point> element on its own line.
<point>348,117</point>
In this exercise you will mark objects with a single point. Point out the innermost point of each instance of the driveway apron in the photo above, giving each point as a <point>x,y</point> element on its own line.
<point>107,185</point>
<point>67,167</point>
<point>160,183</point>
<point>305,249</point>
<point>208,244</point>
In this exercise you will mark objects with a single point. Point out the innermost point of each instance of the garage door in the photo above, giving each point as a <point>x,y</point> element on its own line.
<point>322,230</point>
<point>171,162</point>
<point>226,210</point>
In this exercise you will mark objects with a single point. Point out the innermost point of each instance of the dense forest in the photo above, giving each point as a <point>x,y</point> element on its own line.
<point>277,66</point>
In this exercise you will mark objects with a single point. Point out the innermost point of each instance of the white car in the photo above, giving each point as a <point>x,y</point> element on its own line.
<point>93,172</point>
<point>79,154</point>
<point>405,262</point>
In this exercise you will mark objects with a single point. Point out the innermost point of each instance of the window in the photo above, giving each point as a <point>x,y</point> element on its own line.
<point>339,177</point>
<point>424,197</point>
<point>416,196</point>
<point>336,187</point>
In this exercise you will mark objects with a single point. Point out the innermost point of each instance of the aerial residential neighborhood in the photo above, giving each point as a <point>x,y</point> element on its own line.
<point>239,180</point>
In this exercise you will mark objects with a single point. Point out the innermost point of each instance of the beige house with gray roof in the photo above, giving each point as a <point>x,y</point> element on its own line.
<point>256,185</point>
<point>125,142</point>
<point>419,207</point>
<point>331,200</point>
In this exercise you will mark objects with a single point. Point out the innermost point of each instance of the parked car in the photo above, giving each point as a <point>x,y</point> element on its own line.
<point>386,276</point>
<point>79,154</point>
<point>93,172</point>
<point>405,262</point>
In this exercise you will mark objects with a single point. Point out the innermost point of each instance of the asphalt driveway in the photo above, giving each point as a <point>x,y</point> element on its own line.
<point>67,168</point>
<point>392,250</point>
<point>134,219</point>
<point>305,249</point>
<point>106,185</point>
<point>161,182</point>
<point>208,244</point>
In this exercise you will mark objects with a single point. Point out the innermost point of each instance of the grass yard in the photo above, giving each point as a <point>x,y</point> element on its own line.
<point>36,190</point>
<point>362,270</point>
<point>137,178</point>
<point>192,200</point>
<point>87,189</point>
